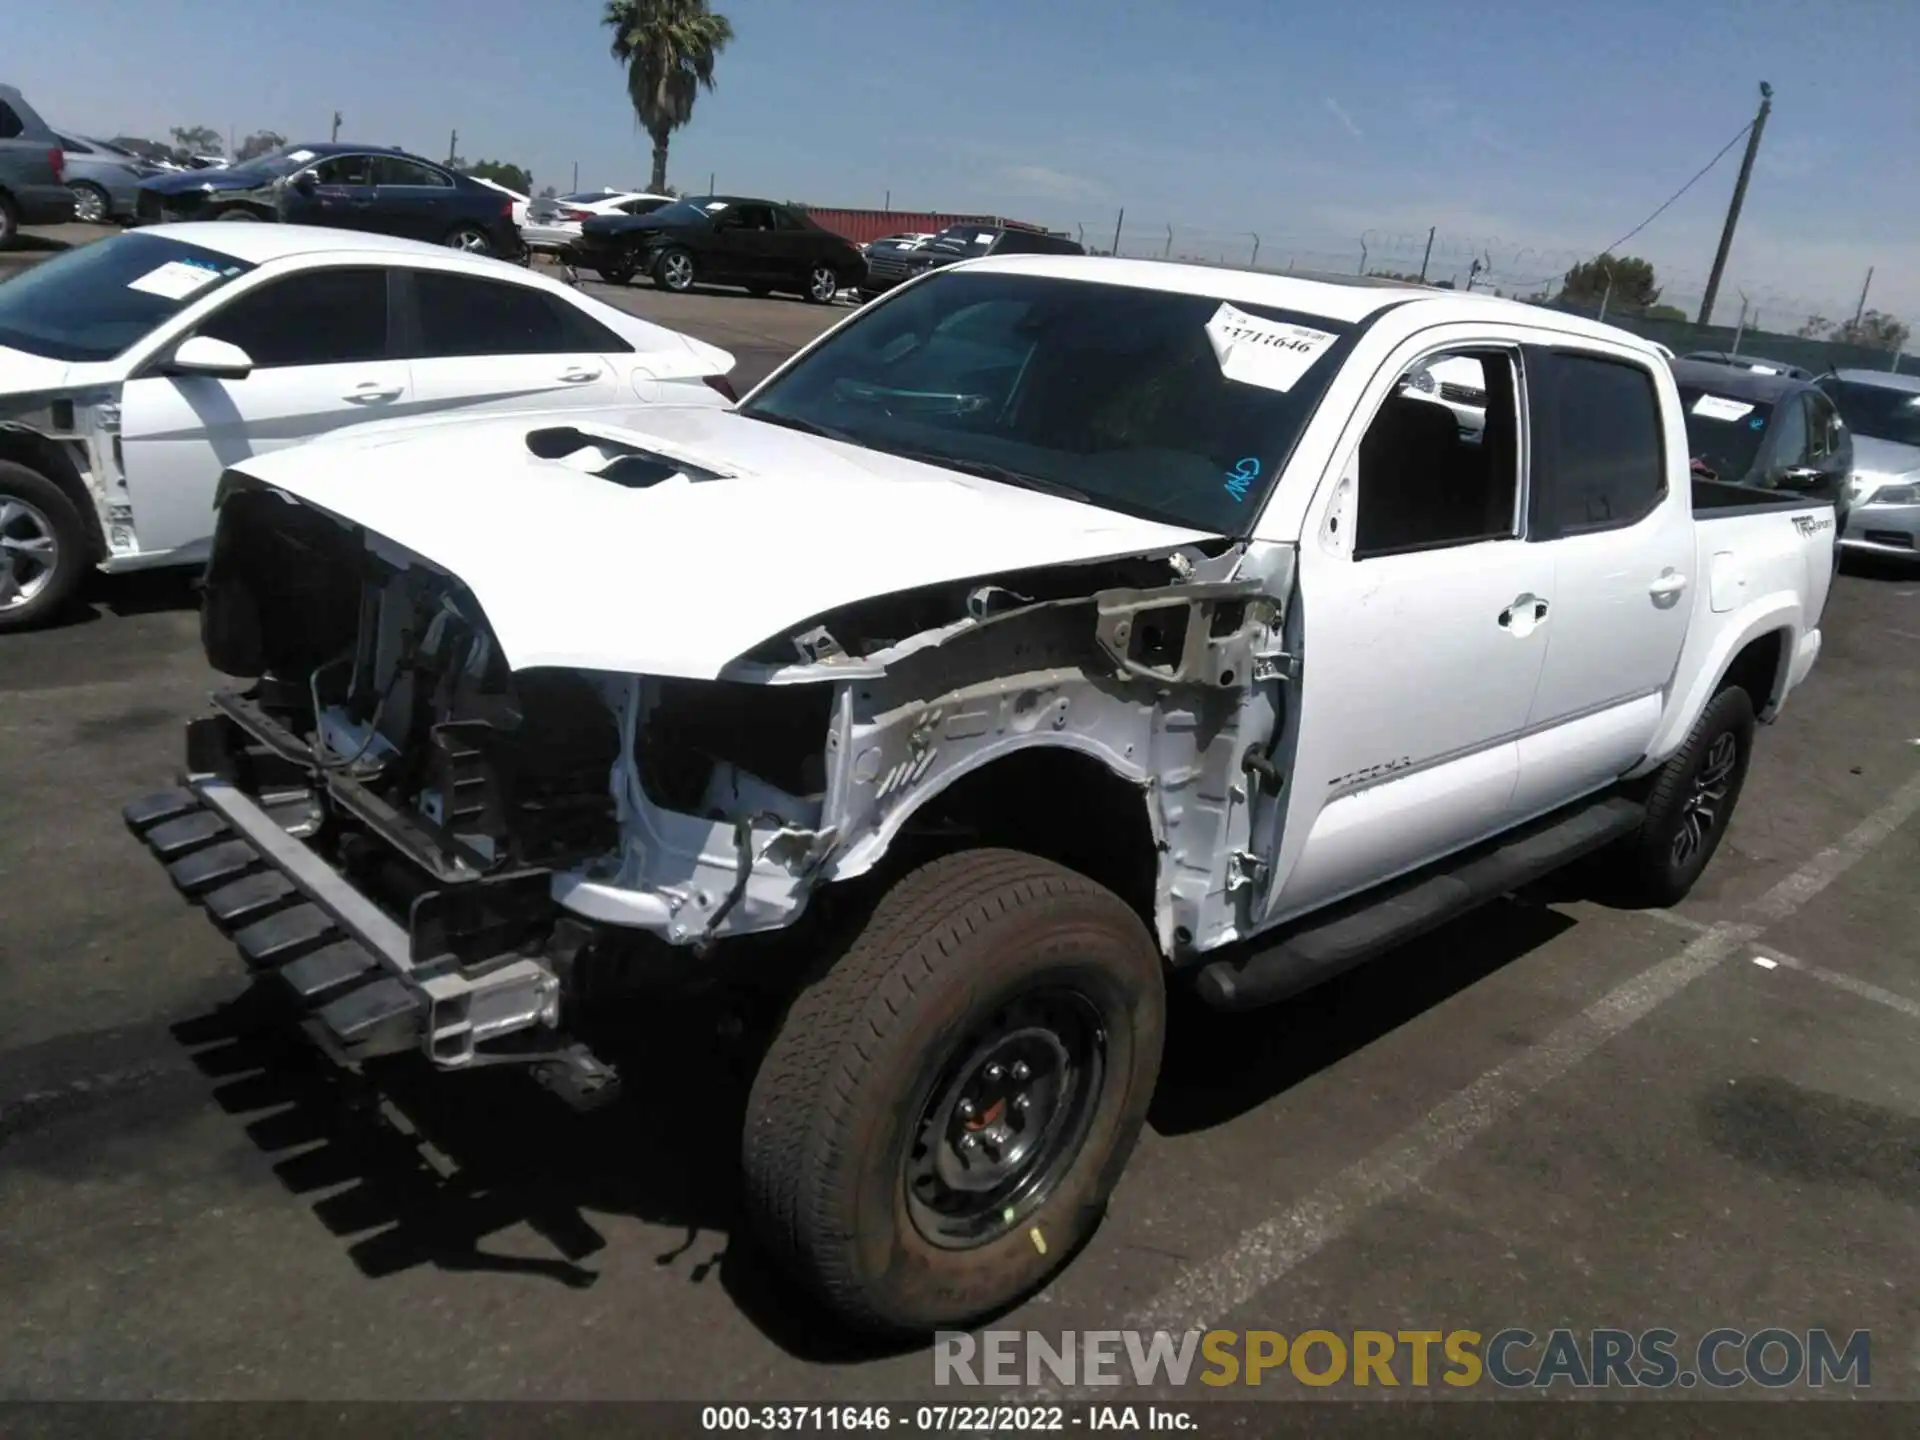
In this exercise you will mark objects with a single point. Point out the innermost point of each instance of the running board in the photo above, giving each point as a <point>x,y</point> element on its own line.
<point>1323,948</point>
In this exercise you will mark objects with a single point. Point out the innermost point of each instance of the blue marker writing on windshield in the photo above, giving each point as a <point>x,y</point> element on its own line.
<point>1241,478</point>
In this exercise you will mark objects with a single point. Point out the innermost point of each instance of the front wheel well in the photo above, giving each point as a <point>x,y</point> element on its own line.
<point>50,458</point>
<point>1056,803</point>
<point>1756,670</point>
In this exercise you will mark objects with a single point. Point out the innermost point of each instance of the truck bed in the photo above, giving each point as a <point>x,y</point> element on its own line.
<point>1714,499</point>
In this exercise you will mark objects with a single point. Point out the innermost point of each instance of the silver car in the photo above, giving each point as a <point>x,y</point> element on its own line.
<point>105,179</point>
<point>1882,409</point>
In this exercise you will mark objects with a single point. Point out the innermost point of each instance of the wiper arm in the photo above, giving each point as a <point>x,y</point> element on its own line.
<point>793,422</point>
<point>987,470</point>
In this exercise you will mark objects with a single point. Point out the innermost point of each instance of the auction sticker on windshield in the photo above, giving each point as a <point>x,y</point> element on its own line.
<point>175,280</point>
<point>300,157</point>
<point>1269,353</point>
<point>1718,407</point>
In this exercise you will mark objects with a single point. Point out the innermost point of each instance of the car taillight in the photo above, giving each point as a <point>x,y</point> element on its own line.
<point>576,214</point>
<point>59,159</point>
<point>506,209</point>
<point>720,383</point>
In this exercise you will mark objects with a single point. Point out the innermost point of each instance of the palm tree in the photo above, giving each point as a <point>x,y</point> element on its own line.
<point>668,48</point>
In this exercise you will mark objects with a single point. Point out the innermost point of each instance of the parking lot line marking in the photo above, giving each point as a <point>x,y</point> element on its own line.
<point>1865,989</point>
<point>1207,1294</point>
<point>1677,920</point>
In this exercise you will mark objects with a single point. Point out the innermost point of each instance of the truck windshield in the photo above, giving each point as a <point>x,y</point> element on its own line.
<point>1114,394</point>
<point>1879,412</point>
<point>94,301</point>
<point>1724,434</point>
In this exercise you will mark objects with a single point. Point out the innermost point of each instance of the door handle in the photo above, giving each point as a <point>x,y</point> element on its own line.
<point>1668,584</point>
<point>579,376</point>
<point>1524,605</point>
<point>371,392</point>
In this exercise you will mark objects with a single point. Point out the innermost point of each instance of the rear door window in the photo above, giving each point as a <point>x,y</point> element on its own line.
<point>462,315</point>
<point>11,126</point>
<point>394,170</point>
<point>1603,441</point>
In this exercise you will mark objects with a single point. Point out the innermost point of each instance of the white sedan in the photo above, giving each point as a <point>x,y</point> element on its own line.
<point>554,225</point>
<point>135,370</point>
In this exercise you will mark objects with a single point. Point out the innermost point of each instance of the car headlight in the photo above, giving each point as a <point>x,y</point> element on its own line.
<point>1895,495</point>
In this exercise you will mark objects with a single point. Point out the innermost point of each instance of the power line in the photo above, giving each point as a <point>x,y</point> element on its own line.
<point>1681,191</point>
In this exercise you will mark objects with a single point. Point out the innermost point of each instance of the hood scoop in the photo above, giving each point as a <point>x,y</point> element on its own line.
<point>634,467</point>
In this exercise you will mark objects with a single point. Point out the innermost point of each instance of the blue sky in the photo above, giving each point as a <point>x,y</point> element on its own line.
<point>1529,133</point>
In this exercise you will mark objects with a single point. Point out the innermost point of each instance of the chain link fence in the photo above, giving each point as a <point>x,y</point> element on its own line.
<point>1772,316</point>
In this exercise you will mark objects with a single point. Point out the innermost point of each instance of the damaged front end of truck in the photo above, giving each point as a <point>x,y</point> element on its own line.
<point>433,849</point>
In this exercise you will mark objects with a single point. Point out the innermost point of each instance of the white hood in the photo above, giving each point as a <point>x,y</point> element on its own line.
<point>25,374</point>
<point>685,576</point>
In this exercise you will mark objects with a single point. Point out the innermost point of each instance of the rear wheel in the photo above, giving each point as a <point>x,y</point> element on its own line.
<point>9,221</point>
<point>616,274</point>
<point>469,238</point>
<point>43,548</point>
<point>674,270</point>
<point>1689,806</point>
<point>942,1116</point>
<point>90,204</point>
<point>238,214</point>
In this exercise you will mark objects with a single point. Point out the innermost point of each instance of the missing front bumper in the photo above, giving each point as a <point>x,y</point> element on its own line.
<point>364,983</point>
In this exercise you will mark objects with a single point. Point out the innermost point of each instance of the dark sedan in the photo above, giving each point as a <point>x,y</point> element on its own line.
<point>347,187</point>
<point>891,265</point>
<point>1767,431</point>
<point>722,240</point>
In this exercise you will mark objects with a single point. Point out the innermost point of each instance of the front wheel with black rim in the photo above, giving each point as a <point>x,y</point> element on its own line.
<point>43,548</point>
<point>823,283</point>
<point>673,270</point>
<point>9,223</point>
<point>944,1113</point>
<point>1689,805</point>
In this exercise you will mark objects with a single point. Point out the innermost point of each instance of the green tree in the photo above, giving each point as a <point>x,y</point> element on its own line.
<point>501,173</point>
<point>1873,331</point>
<point>1816,328</point>
<point>1666,312</point>
<point>1626,282</point>
<point>196,140</point>
<point>261,142</point>
<point>668,49</point>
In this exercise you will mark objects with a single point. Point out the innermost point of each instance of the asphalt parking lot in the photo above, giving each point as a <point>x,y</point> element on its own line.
<point>1550,1114</point>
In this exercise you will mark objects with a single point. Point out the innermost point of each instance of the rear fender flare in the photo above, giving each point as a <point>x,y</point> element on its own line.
<point>1781,612</point>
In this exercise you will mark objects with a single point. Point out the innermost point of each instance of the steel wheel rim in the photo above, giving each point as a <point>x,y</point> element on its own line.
<point>826,284</point>
<point>471,242</point>
<point>679,271</point>
<point>1006,1119</point>
<point>88,205</point>
<point>29,553</point>
<point>1702,810</point>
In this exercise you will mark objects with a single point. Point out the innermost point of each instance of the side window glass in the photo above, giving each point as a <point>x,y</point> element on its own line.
<point>1609,465</point>
<point>1790,437</point>
<point>10,123</point>
<point>392,170</point>
<point>322,317</point>
<point>345,170</point>
<point>1442,468</point>
<point>461,315</point>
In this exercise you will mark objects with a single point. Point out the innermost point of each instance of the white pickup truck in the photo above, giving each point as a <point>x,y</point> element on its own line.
<point>1050,633</point>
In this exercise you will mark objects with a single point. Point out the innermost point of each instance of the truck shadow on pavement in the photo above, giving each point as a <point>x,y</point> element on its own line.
<point>412,1168</point>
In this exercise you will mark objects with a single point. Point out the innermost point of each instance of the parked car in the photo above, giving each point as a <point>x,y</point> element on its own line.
<point>554,227</point>
<point>908,240</point>
<point>1758,364</point>
<point>1767,431</point>
<point>886,269</point>
<point>721,240</point>
<point>520,202</point>
<point>135,369</point>
<point>1053,632</point>
<point>1882,410</point>
<point>105,181</point>
<point>33,187</point>
<point>345,187</point>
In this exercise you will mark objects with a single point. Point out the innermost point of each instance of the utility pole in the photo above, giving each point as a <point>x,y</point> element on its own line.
<point>336,125</point>
<point>1860,310</point>
<point>1116,231</point>
<point>1429,255</point>
<point>1739,198</point>
<point>453,147</point>
<point>576,179</point>
<point>889,202</point>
